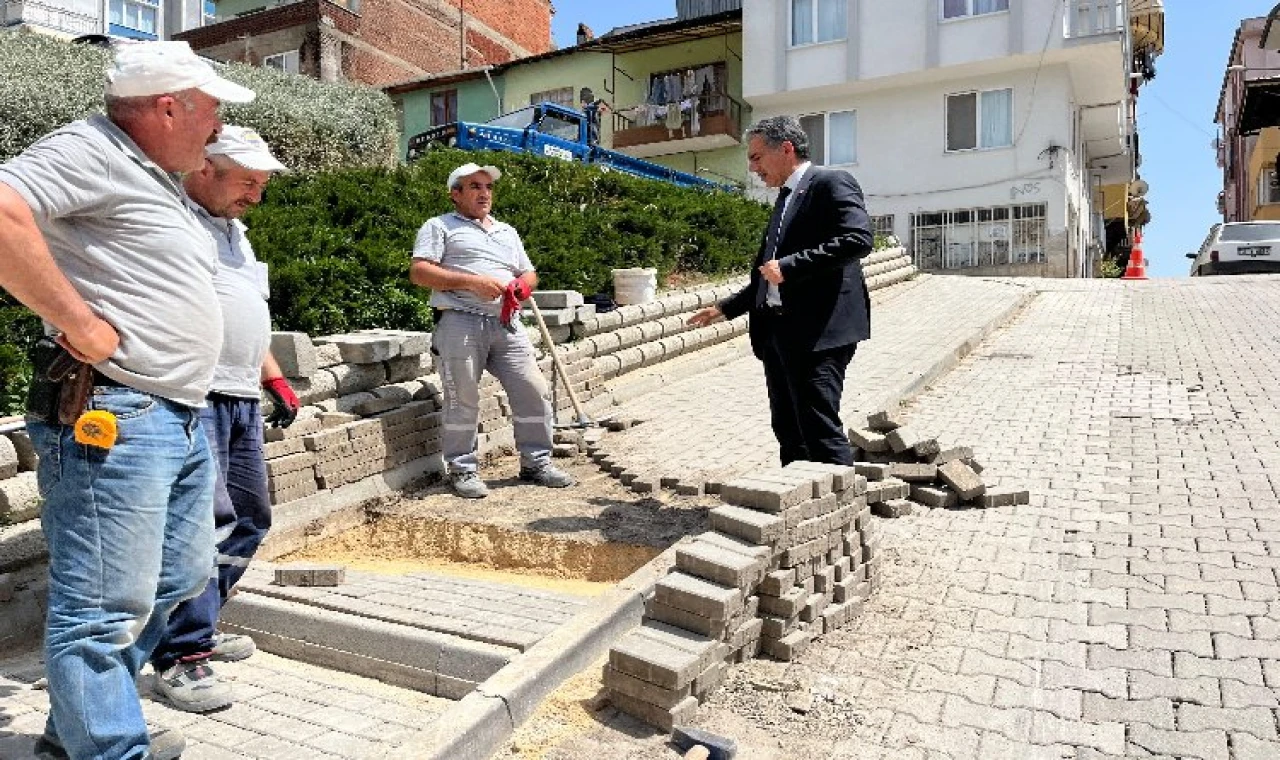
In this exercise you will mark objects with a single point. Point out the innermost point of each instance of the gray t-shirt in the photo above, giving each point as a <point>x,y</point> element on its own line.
<point>241,282</point>
<point>462,245</point>
<point>119,228</point>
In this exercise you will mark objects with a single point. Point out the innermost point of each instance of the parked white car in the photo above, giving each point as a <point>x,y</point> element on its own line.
<point>1238,248</point>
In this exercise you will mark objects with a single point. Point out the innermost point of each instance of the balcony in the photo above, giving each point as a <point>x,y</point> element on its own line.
<point>50,16</point>
<point>1091,18</point>
<point>708,122</point>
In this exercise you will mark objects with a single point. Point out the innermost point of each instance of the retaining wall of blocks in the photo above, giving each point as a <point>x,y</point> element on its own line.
<point>792,554</point>
<point>371,399</point>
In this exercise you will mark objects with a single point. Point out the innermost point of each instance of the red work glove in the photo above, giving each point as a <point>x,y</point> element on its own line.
<point>283,399</point>
<point>516,292</point>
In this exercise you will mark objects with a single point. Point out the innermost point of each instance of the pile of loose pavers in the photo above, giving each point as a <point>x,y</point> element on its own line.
<point>909,470</point>
<point>793,553</point>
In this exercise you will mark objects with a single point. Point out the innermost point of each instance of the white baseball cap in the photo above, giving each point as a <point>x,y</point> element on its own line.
<point>247,148</point>
<point>466,170</point>
<point>156,68</point>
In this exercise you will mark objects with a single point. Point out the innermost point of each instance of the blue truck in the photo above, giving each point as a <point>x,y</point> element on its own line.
<point>548,129</point>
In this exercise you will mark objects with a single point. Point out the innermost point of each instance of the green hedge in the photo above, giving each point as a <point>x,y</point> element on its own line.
<point>312,126</point>
<point>339,243</point>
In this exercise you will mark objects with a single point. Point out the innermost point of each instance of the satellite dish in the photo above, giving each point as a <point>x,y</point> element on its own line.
<point>1139,188</point>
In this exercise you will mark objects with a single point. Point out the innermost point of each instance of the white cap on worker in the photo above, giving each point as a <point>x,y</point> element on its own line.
<point>157,68</point>
<point>466,170</point>
<point>247,148</point>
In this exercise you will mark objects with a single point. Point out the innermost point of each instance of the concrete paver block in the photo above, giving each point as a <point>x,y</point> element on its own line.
<point>19,499</point>
<point>868,440</point>
<point>962,479</point>
<point>903,438</point>
<point>893,508</point>
<point>309,574</point>
<point>1005,498</point>
<point>934,496</point>
<point>27,458</point>
<point>872,471</point>
<point>8,458</point>
<point>699,596</point>
<point>764,495</point>
<point>886,420</point>
<point>913,472</point>
<point>719,565</point>
<point>357,348</point>
<point>747,524</point>
<point>644,691</point>
<point>842,476</point>
<point>295,353</point>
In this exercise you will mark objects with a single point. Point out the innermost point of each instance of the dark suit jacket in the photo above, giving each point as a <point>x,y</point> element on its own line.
<point>825,234</point>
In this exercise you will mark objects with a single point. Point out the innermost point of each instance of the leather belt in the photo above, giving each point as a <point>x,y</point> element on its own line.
<point>102,381</point>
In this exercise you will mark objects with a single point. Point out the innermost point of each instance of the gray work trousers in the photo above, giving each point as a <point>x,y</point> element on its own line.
<point>465,345</point>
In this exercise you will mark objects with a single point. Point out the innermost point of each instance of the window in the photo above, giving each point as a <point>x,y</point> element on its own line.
<point>560,126</point>
<point>561,96</point>
<point>444,107</point>
<point>980,120</point>
<point>979,237</point>
<point>882,225</point>
<point>134,18</point>
<point>833,137</point>
<point>1268,189</point>
<point>210,13</point>
<point>287,61</point>
<point>818,21</point>
<point>962,8</point>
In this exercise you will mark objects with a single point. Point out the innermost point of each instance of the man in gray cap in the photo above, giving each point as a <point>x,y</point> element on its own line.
<point>97,239</point>
<point>475,265</point>
<point>238,168</point>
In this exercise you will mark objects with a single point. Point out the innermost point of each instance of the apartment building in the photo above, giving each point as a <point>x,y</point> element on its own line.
<point>1249,117</point>
<point>128,19</point>
<point>988,135</point>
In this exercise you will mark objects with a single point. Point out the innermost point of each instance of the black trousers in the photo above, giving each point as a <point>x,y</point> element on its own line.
<point>804,400</point>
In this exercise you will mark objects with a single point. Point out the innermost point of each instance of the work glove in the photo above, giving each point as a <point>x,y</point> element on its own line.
<point>283,399</point>
<point>517,291</point>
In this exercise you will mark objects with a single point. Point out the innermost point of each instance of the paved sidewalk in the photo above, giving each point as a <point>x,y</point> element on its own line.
<point>1131,610</point>
<point>717,423</point>
<point>286,709</point>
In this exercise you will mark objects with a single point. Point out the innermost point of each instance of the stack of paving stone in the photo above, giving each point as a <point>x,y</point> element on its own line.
<point>19,497</point>
<point>792,554</point>
<point>887,267</point>
<point>908,469</point>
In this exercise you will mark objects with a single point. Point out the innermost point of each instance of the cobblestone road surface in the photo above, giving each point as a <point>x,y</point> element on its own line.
<point>1131,610</point>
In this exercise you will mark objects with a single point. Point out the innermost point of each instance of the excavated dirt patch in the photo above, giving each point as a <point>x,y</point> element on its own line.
<point>596,532</point>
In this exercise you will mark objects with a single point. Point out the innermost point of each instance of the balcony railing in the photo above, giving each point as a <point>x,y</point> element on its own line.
<point>710,115</point>
<point>50,17</point>
<point>1087,18</point>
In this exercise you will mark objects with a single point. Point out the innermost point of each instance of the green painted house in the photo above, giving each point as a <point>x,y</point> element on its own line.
<point>673,88</point>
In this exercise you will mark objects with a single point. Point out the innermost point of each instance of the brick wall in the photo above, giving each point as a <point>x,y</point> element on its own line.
<point>527,23</point>
<point>418,37</point>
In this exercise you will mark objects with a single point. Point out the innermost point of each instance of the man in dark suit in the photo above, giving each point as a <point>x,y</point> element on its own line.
<point>808,302</point>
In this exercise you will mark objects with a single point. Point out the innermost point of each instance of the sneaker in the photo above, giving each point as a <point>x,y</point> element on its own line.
<point>193,687</point>
<point>166,744</point>
<point>548,475</point>
<point>468,485</point>
<point>232,647</point>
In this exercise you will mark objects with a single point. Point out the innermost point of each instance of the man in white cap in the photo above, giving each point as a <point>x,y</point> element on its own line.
<point>475,264</point>
<point>239,166</point>
<point>97,239</point>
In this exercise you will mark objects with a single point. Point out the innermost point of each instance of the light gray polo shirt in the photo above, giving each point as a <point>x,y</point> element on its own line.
<point>462,245</point>
<point>241,282</point>
<point>119,228</point>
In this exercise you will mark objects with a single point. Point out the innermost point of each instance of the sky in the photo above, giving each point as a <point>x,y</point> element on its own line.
<point>1175,110</point>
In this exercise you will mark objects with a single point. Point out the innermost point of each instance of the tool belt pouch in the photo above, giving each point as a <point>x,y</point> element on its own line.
<point>42,395</point>
<point>54,373</point>
<point>74,398</point>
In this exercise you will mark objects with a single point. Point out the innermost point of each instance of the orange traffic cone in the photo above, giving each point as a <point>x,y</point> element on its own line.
<point>1137,269</point>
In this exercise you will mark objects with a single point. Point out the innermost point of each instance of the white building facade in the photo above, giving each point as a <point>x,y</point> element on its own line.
<point>128,19</point>
<point>982,131</point>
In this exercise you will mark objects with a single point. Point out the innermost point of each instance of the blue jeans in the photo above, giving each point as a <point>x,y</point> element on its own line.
<point>241,517</point>
<point>130,535</point>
